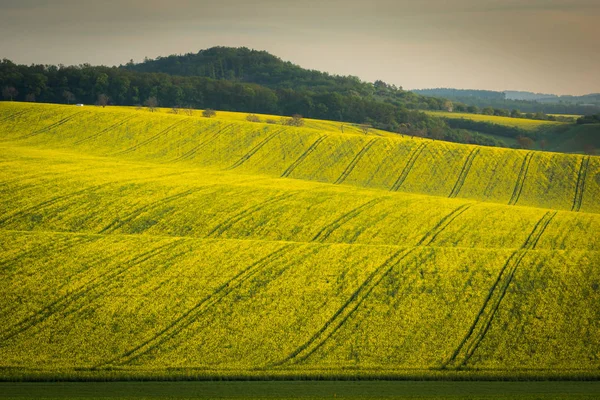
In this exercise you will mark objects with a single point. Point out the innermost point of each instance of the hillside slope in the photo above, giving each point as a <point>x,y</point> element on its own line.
<point>415,165</point>
<point>138,244</point>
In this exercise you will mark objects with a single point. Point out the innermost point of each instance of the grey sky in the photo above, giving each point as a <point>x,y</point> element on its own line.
<point>537,45</point>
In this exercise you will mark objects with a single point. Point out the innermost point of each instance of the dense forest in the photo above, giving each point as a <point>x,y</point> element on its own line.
<point>523,101</point>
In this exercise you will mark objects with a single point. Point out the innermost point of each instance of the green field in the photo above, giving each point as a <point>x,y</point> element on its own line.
<point>138,245</point>
<point>304,390</point>
<point>521,123</point>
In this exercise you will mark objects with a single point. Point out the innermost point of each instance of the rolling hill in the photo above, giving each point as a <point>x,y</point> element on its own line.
<point>154,245</point>
<point>555,136</point>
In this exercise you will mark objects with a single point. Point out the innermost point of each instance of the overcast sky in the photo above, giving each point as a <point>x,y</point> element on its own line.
<point>549,46</point>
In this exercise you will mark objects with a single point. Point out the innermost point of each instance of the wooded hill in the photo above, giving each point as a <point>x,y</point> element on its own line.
<point>240,79</point>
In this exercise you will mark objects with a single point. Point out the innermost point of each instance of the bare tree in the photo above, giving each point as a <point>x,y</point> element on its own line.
<point>69,97</point>
<point>189,111</point>
<point>209,113</point>
<point>296,120</point>
<point>365,128</point>
<point>103,100</point>
<point>9,92</point>
<point>175,110</point>
<point>543,144</point>
<point>30,98</point>
<point>151,103</point>
<point>252,118</point>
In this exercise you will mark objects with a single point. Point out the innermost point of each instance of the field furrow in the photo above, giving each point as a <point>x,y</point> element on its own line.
<point>585,164</point>
<point>409,165</point>
<point>149,140</point>
<point>254,150</point>
<point>193,313</point>
<point>443,224</point>
<point>326,231</point>
<point>51,126</point>
<point>303,156</point>
<point>521,179</point>
<point>62,303</point>
<point>484,318</point>
<point>343,313</point>
<point>354,161</point>
<point>463,173</point>
<point>103,131</point>
<point>213,135</point>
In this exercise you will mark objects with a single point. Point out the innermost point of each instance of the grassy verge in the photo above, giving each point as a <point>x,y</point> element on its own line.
<point>317,390</point>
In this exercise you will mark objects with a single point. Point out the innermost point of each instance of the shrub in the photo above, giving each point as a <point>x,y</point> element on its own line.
<point>252,118</point>
<point>209,113</point>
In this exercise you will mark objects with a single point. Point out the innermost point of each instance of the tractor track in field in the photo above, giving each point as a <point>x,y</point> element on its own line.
<point>364,226</point>
<point>150,139</point>
<point>54,246</point>
<point>192,152</point>
<point>430,236</point>
<point>90,297</point>
<point>354,161</point>
<point>491,304</point>
<point>409,165</point>
<point>209,301</point>
<point>337,320</point>
<point>23,178</point>
<point>303,156</point>
<point>521,179</point>
<point>579,189</point>
<point>255,149</point>
<point>105,130</point>
<point>228,223</point>
<point>327,230</point>
<point>51,202</point>
<point>58,199</point>
<point>464,173</point>
<point>116,224</point>
<point>13,115</point>
<point>51,126</point>
<point>63,302</point>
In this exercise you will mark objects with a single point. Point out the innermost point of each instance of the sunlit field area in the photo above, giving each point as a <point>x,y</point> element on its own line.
<point>153,245</point>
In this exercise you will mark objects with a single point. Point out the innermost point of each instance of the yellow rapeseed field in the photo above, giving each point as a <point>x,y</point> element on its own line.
<point>152,244</point>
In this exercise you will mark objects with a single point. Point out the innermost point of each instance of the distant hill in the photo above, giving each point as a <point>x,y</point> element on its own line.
<point>520,100</point>
<point>262,68</point>
<point>252,66</point>
<point>528,96</point>
<point>591,99</point>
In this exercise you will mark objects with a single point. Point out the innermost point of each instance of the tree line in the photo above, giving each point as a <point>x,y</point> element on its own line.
<point>122,86</point>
